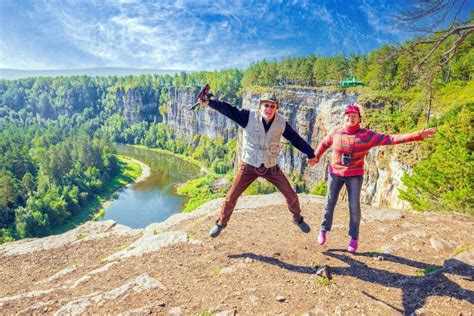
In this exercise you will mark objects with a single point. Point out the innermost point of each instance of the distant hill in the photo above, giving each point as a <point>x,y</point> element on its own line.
<point>101,72</point>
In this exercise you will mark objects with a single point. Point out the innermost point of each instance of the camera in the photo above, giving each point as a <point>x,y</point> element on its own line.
<point>346,159</point>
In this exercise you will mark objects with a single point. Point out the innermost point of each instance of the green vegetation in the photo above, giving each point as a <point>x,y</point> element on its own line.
<point>322,280</point>
<point>49,175</point>
<point>93,106</point>
<point>218,158</point>
<point>319,188</point>
<point>216,271</point>
<point>461,249</point>
<point>260,186</point>
<point>81,236</point>
<point>429,269</point>
<point>57,163</point>
<point>129,171</point>
<point>199,191</point>
<point>443,182</point>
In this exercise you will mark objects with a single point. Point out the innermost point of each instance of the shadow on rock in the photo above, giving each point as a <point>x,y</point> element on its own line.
<point>276,262</point>
<point>416,289</point>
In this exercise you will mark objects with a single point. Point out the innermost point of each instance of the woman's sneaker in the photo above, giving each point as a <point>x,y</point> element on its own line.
<point>321,238</point>
<point>353,245</point>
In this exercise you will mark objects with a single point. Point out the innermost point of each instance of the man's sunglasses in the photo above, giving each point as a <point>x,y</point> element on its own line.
<point>271,106</point>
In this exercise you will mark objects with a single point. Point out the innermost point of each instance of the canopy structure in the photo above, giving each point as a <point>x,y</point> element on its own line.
<point>351,82</point>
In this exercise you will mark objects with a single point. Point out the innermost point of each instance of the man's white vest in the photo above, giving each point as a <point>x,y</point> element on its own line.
<point>260,147</point>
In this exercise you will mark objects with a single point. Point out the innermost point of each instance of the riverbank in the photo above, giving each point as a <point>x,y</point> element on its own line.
<point>200,164</point>
<point>145,173</point>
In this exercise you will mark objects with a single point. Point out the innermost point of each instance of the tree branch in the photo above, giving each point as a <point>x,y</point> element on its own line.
<point>437,12</point>
<point>467,28</point>
<point>448,55</point>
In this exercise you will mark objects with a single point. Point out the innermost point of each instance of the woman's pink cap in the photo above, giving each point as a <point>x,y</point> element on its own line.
<point>353,108</point>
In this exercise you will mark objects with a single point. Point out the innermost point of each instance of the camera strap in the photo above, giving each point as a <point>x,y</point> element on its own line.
<point>349,137</point>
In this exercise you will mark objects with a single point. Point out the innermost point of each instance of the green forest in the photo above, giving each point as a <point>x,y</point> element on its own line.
<point>57,134</point>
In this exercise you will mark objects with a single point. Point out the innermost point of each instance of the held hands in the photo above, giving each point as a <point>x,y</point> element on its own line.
<point>313,161</point>
<point>427,133</point>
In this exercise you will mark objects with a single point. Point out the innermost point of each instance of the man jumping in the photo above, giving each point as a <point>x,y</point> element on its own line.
<point>262,131</point>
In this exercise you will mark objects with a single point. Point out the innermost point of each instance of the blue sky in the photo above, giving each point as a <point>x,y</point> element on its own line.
<point>189,35</point>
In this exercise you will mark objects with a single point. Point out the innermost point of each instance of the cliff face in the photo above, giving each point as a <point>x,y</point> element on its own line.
<point>312,113</point>
<point>135,106</point>
<point>202,120</point>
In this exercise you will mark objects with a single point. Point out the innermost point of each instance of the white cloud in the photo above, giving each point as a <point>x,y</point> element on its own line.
<point>378,19</point>
<point>188,35</point>
<point>165,35</point>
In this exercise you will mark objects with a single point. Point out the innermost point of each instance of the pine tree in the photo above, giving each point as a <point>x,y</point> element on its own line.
<point>444,181</point>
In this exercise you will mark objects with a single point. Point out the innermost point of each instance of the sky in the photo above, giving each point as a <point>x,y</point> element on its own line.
<point>190,35</point>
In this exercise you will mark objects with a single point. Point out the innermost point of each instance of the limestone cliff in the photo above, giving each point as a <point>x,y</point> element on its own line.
<point>136,105</point>
<point>203,120</point>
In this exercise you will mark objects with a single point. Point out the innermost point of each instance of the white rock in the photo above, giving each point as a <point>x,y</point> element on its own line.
<point>439,244</point>
<point>139,284</point>
<point>62,273</point>
<point>381,215</point>
<point>464,258</point>
<point>78,306</point>
<point>150,243</point>
<point>232,268</point>
<point>389,248</point>
<point>23,296</point>
<point>88,231</point>
<point>88,276</point>
<point>175,311</point>
<point>253,299</point>
<point>231,312</point>
<point>412,233</point>
<point>315,312</point>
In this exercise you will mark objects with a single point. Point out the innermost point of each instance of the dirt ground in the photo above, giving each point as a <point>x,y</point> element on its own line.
<point>260,264</point>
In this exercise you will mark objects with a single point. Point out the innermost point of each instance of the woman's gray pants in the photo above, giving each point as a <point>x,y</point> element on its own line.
<point>353,185</point>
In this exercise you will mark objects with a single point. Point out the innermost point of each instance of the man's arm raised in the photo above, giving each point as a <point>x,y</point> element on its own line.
<point>240,116</point>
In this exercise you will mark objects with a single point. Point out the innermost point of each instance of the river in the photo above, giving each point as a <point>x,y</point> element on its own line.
<point>153,199</point>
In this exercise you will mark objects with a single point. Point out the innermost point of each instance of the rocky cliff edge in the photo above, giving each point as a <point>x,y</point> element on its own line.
<point>407,263</point>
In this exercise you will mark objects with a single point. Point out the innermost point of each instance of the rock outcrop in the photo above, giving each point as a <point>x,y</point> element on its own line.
<point>264,266</point>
